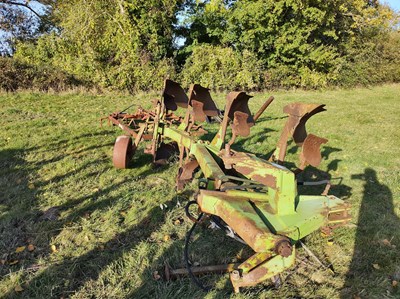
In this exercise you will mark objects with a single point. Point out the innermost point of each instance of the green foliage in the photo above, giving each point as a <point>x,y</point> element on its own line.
<point>222,68</point>
<point>15,75</point>
<point>284,76</point>
<point>286,32</point>
<point>300,43</point>
<point>251,44</point>
<point>373,62</point>
<point>115,44</point>
<point>205,22</point>
<point>22,21</point>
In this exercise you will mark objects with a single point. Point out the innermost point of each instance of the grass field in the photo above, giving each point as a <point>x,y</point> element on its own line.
<point>92,231</point>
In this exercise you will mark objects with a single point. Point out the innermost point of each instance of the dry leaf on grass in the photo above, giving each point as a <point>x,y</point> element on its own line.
<point>387,243</point>
<point>350,225</point>
<point>156,276</point>
<point>13,262</point>
<point>394,283</point>
<point>31,247</point>
<point>20,249</point>
<point>178,221</point>
<point>18,288</point>
<point>167,238</point>
<point>317,277</point>
<point>376,266</point>
<point>53,248</point>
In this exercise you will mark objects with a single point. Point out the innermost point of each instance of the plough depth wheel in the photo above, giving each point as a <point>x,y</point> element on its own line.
<point>123,151</point>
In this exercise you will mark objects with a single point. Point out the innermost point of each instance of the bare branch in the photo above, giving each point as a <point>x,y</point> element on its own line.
<point>25,5</point>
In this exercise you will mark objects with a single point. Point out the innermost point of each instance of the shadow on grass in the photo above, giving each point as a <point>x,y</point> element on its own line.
<point>267,118</point>
<point>261,137</point>
<point>53,281</point>
<point>374,254</point>
<point>17,200</point>
<point>206,249</point>
<point>21,217</point>
<point>311,173</point>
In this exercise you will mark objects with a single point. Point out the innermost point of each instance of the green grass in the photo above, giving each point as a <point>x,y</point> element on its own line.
<point>110,232</point>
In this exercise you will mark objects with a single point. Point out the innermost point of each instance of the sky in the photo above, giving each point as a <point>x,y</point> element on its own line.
<point>395,4</point>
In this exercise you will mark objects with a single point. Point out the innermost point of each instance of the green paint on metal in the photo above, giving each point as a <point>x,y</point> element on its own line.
<point>258,199</point>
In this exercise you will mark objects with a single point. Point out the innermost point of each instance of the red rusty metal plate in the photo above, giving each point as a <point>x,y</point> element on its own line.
<point>164,152</point>
<point>238,101</point>
<point>174,95</point>
<point>201,94</point>
<point>123,151</point>
<point>311,152</point>
<point>301,112</point>
<point>240,126</point>
<point>198,113</point>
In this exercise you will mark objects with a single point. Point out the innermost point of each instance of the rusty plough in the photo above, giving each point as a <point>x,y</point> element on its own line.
<point>255,199</point>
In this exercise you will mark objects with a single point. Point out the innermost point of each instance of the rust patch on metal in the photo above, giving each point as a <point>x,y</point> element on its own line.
<point>186,173</point>
<point>176,273</point>
<point>310,152</point>
<point>123,151</point>
<point>238,101</point>
<point>283,248</point>
<point>248,279</point>
<point>267,180</point>
<point>198,112</point>
<point>295,127</point>
<point>263,107</point>
<point>164,152</point>
<point>240,126</point>
<point>174,95</point>
<point>254,261</point>
<point>202,95</point>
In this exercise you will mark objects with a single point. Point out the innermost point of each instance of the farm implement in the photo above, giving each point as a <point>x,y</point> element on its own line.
<point>255,199</point>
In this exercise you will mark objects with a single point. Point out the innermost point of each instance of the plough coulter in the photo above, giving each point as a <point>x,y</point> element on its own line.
<point>257,200</point>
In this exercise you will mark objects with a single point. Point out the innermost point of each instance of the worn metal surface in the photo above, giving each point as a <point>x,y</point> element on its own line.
<point>263,108</point>
<point>174,96</point>
<point>123,151</point>
<point>186,173</point>
<point>257,199</point>
<point>235,102</point>
<point>295,127</point>
<point>265,270</point>
<point>310,151</point>
<point>176,273</point>
<point>201,102</point>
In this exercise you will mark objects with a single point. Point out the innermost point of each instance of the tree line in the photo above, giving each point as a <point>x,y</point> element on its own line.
<point>222,44</point>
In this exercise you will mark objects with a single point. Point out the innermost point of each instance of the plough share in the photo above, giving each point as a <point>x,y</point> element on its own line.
<point>255,198</point>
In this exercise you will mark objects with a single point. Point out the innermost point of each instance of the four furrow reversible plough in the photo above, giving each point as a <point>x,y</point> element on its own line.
<point>255,198</point>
